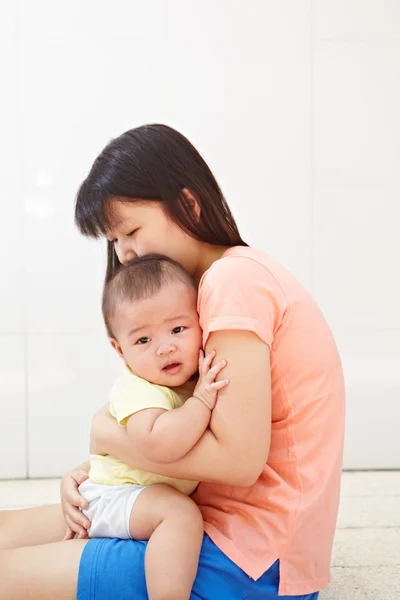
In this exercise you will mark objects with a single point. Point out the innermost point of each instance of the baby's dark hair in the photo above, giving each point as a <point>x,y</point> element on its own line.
<point>141,278</point>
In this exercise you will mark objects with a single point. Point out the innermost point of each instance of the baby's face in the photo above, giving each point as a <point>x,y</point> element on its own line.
<point>159,337</point>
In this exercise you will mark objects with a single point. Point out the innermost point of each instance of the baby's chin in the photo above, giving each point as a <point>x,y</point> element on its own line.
<point>171,381</point>
<point>168,379</point>
<point>175,381</point>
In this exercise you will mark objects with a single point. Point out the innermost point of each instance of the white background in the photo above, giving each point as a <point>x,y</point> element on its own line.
<point>295,106</point>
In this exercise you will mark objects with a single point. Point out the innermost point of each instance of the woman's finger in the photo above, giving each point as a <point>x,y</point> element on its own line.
<point>79,476</point>
<point>69,489</point>
<point>84,534</point>
<point>69,534</point>
<point>75,527</point>
<point>75,516</point>
<point>73,497</point>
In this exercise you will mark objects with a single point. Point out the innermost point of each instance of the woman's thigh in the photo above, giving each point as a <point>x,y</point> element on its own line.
<point>31,526</point>
<point>115,569</point>
<point>41,572</point>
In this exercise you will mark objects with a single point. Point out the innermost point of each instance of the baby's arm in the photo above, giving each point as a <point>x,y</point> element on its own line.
<point>164,436</point>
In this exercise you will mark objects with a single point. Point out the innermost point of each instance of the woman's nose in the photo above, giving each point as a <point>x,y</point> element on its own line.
<point>165,349</point>
<point>125,251</point>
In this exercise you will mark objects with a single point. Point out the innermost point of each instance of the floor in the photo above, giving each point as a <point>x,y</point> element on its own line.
<point>366,556</point>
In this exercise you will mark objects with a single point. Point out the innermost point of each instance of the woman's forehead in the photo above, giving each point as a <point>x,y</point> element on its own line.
<point>119,214</point>
<point>137,212</point>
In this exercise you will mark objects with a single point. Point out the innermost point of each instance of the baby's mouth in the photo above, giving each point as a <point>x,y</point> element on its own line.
<point>171,365</point>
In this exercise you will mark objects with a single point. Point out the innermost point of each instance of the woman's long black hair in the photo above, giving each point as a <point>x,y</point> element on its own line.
<point>154,162</point>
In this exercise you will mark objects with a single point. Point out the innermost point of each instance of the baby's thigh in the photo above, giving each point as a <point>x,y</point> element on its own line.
<point>158,503</point>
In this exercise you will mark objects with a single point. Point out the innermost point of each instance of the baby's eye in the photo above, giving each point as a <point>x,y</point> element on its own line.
<point>178,329</point>
<point>143,340</point>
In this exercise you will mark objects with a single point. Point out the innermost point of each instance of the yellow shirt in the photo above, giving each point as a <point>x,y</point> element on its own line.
<point>131,394</point>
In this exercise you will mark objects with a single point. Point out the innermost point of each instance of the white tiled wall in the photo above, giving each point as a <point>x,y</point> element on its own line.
<point>294,104</point>
<point>69,377</point>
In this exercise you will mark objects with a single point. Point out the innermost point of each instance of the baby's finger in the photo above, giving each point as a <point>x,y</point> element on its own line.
<point>219,385</point>
<point>201,360</point>
<point>213,372</point>
<point>207,361</point>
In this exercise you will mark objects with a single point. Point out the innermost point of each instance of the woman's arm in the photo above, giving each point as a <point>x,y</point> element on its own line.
<point>235,448</point>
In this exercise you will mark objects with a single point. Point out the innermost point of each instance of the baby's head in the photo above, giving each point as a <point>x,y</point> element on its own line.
<point>150,311</point>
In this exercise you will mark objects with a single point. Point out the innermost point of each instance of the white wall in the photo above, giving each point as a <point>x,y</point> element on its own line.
<point>293,103</point>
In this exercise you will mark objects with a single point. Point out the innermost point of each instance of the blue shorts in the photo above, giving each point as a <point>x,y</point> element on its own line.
<point>113,568</point>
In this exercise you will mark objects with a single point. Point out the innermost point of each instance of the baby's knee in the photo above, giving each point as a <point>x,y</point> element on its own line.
<point>186,510</point>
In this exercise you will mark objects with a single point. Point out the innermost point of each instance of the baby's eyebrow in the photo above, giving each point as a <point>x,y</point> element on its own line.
<point>136,329</point>
<point>177,318</point>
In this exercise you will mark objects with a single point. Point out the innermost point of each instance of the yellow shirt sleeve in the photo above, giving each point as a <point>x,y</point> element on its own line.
<point>139,395</point>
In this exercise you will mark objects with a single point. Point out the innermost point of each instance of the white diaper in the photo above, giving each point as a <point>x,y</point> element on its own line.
<point>109,509</point>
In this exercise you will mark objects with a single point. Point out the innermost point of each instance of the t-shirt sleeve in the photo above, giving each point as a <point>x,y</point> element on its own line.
<point>239,293</point>
<point>135,398</point>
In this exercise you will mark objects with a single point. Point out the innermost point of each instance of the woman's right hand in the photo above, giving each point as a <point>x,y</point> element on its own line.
<point>72,501</point>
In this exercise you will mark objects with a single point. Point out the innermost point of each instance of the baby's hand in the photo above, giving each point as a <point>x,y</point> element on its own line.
<point>207,388</point>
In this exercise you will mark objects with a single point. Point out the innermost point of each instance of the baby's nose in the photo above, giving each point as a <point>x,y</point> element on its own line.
<point>165,349</point>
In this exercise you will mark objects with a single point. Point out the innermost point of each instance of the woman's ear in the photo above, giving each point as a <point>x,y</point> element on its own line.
<point>116,346</point>
<point>193,202</point>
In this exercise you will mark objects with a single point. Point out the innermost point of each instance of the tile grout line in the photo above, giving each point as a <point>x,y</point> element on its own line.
<point>24,306</point>
<point>312,147</point>
<point>370,527</point>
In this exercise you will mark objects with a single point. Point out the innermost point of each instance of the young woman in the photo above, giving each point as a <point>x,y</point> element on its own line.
<point>270,463</point>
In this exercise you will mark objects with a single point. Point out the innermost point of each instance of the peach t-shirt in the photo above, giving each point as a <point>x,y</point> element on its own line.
<point>290,512</point>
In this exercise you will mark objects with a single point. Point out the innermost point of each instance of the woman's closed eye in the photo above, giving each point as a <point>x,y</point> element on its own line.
<point>130,234</point>
<point>178,329</point>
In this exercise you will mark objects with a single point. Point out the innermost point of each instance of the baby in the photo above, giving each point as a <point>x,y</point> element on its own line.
<point>149,308</point>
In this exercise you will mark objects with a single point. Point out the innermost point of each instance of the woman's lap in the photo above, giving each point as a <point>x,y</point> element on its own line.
<point>112,568</point>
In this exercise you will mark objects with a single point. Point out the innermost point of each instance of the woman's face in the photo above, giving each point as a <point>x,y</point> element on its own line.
<point>140,228</point>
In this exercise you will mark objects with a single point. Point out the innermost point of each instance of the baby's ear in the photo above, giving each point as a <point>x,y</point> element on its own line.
<point>116,346</point>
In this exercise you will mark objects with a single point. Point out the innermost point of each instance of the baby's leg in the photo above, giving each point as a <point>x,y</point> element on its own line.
<point>31,526</point>
<point>173,525</point>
